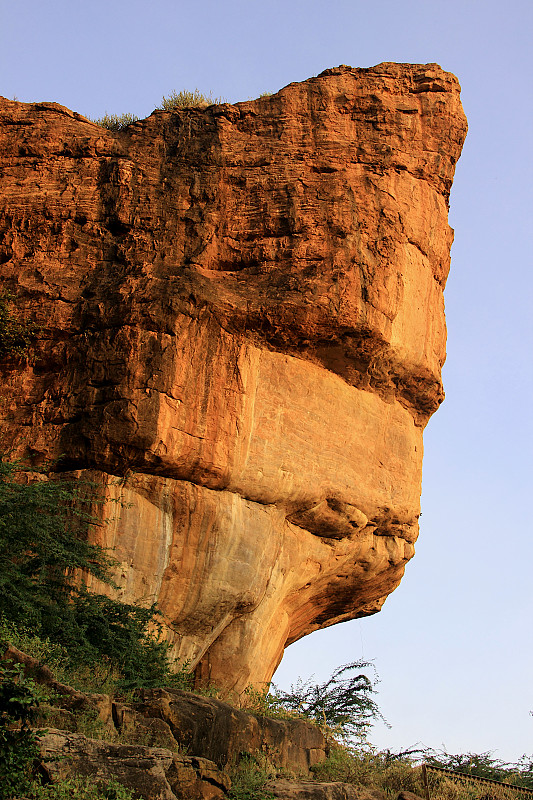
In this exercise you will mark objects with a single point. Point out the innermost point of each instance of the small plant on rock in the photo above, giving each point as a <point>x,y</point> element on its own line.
<point>185,99</point>
<point>248,779</point>
<point>116,122</point>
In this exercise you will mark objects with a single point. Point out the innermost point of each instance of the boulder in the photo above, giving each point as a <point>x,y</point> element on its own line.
<point>152,773</point>
<point>223,734</point>
<point>311,790</point>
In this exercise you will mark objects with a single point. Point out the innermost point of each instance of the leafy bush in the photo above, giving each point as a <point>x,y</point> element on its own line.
<point>264,703</point>
<point>18,742</point>
<point>19,749</point>
<point>248,779</point>
<point>483,765</point>
<point>343,705</point>
<point>15,335</point>
<point>116,122</point>
<point>185,99</point>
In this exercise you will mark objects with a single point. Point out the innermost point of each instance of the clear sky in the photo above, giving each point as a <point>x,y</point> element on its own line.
<point>453,645</point>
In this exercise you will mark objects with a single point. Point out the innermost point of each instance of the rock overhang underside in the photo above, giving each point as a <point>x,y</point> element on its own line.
<point>241,335</point>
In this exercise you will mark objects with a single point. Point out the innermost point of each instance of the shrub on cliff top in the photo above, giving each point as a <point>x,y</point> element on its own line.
<point>184,99</point>
<point>116,122</point>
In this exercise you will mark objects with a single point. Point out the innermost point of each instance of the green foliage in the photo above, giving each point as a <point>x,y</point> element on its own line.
<point>43,547</point>
<point>370,768</point>
<point>394,772</point>
<point>43,529</point>
<point>264,703</point>
<point>116,122</point>
<point>248,779</point>
<point>343,705</point>
<point>79,789</point>
<point>483,765</point>
<point>15,335</point>
<point>18,742</point>
<point>185,99</point>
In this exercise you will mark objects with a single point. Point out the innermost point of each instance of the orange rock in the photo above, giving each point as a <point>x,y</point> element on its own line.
<point>242,336</point>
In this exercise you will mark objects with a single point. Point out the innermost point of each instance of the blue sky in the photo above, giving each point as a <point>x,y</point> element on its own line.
<point>453,645</point>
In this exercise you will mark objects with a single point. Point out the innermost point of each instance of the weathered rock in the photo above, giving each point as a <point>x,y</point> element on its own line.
<point>183,721</point>
<point>311,790</point>
<point>221,733</point>
<point>153,773</point>
<point>242,336</point>
<point>409,796</point>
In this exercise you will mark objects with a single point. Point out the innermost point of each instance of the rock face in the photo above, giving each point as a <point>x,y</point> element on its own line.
<point>242,332</point>
<point>309,790</point>
<point>221,733</point>
<point>152,773</point>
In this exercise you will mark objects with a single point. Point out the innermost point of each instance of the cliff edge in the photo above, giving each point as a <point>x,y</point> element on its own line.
<point>241,337</point>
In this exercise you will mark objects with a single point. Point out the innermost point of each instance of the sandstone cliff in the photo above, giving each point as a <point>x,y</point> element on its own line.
<point>242,332</point>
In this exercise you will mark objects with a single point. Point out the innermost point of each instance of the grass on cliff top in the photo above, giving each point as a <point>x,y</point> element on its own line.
<point>185,99</point>
<point>174,102</point>
<point>115,122</point>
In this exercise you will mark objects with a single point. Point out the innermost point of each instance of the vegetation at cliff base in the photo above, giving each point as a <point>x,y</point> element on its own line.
<point>394,772</point>
<point>44,554</point>
<point>18,741</point>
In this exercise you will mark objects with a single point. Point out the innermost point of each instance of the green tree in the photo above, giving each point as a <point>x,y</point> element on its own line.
<point>43,546</point>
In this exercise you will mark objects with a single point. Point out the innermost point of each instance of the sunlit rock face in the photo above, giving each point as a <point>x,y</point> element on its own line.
<point>242,337</point>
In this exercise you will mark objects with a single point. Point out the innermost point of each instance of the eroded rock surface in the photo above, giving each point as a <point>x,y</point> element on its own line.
<point>153,773</point>
<point>311,790</point>
<point>242,332</point>
<point>222,733</point>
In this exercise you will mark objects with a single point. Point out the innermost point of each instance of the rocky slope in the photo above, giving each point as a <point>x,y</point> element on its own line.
<point>242,332</point>
<point>167,744</point>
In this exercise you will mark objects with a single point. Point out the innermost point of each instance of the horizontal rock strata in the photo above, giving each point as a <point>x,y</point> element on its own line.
<point>241,332</point>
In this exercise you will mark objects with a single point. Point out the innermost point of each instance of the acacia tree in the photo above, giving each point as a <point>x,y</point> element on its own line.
<point>344,703</point>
